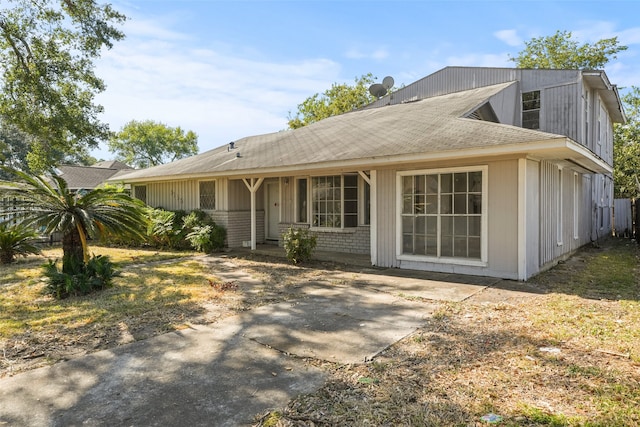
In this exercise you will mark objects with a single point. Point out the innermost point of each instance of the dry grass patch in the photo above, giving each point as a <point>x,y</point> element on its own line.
<point>570,357</point>
<point>157,292</point>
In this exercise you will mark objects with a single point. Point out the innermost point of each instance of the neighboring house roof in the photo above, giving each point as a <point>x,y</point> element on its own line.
<point>112,164</point>
<point>431,128</point>
<point>89,177</point>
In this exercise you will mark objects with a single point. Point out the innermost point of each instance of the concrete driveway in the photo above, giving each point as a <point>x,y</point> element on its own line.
<point>225,373</point>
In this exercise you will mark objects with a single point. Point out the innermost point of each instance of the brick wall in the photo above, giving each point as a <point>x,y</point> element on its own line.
<point>347,240</point>
<point>238,225</point>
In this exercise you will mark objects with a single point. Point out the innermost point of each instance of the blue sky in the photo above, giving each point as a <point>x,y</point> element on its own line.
<point>229,69</point>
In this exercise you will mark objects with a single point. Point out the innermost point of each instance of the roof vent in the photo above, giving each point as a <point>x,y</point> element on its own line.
<point>231,146</point>
<point>238,154</point>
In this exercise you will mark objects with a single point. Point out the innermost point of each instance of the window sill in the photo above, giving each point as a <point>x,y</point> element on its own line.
<point>458,261</point>
<point>349,230</point>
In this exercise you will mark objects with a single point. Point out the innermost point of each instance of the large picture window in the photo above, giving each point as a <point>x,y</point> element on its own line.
<point>442,214</point>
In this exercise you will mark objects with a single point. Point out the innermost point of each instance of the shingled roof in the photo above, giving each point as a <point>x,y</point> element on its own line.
<point>89,177</point>
<point>366,137</point>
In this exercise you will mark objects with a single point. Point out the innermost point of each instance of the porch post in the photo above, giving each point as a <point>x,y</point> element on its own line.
<point>253,187</point>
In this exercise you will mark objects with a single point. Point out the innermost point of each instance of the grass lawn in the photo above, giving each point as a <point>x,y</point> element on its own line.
<point>569,355</point>
<point>157,292</point>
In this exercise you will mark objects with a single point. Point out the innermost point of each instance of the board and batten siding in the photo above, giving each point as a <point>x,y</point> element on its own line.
<point>503,218</point>
<point>456,79</point>
<point>386,218</point>
<point>532,215</point>
<point>173,195</point>
<point>239,196</point>
<point>565,214</point>
<point>183,195</point>
<point>502,227</point>
<point>560,110</point>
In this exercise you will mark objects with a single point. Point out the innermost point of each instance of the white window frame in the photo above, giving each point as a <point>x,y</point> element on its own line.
<point>538,110</point>
<point>600,124</point>
<point>296,200</point>
<point>483,261</point>
<point>362,208</point>
<point>576,205</point>
<point>559,207</point>
<point>215,194</point>
<point>310,201</point>
<point>587,110</point>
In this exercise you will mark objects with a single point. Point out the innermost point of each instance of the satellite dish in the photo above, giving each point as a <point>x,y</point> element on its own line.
<point>377,90</point>
<point>388,82</point>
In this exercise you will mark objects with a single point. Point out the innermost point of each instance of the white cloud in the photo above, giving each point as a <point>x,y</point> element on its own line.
<point>510,37</point>
<point>218,94</point>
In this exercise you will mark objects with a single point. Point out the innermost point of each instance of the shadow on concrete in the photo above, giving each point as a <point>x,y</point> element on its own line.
<point>221,374</point>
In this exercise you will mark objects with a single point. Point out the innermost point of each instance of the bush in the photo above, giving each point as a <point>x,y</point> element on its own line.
<point>207,238</point>
<point>179,230</point>
<point>79,279</point>
<point>14,241</point>
<point>299,243</point>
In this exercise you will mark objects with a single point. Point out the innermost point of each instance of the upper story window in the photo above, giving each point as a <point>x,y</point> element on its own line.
<point>207,195</point>
<point>531,110</point>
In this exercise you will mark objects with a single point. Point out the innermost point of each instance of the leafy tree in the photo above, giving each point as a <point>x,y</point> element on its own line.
<point>148,143</point>
<point>340,98</point>
<point>626,149</point>
<point>560,51</point>
<point>47,88</point>
<point>16,240</point>
<point>14,148</point>
<point>49,204</point>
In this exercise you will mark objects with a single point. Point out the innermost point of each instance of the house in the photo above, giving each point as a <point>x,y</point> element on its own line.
<point>483,171</point>
<point>90,177</point>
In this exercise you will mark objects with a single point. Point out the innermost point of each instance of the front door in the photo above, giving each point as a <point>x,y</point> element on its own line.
<point>273,210</point>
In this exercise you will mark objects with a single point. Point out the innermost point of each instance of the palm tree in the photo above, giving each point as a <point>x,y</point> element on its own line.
<point>16,240</point>
<point>47,203</point>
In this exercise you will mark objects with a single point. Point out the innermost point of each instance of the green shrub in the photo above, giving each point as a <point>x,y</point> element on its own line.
<point>16,240</point>
<point>78,278</point>
<point>207,238</point>
<point>179,230</point>
<point>161,227</point>
<point>299,243</point>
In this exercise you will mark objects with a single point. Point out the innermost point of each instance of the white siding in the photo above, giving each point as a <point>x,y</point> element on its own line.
<point>386,218</point>
<point>502,229</point>
<point>533,218</point>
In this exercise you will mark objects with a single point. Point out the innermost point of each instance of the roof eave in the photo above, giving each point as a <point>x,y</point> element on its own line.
<point>557,149</point>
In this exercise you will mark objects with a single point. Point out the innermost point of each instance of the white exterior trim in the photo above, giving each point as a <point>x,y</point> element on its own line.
<point>484,237</point>
<point>522,219</point>
<point>373,220</point>
<point>253,187</point>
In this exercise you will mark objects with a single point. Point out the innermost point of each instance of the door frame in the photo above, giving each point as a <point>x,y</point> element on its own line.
<point>270,207</point>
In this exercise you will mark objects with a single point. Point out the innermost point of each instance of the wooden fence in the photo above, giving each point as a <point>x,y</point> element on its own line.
<point>626,218</point>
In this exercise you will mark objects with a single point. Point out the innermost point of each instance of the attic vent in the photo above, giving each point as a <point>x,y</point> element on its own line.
<point>485,113</point>
<point>474,115</point>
